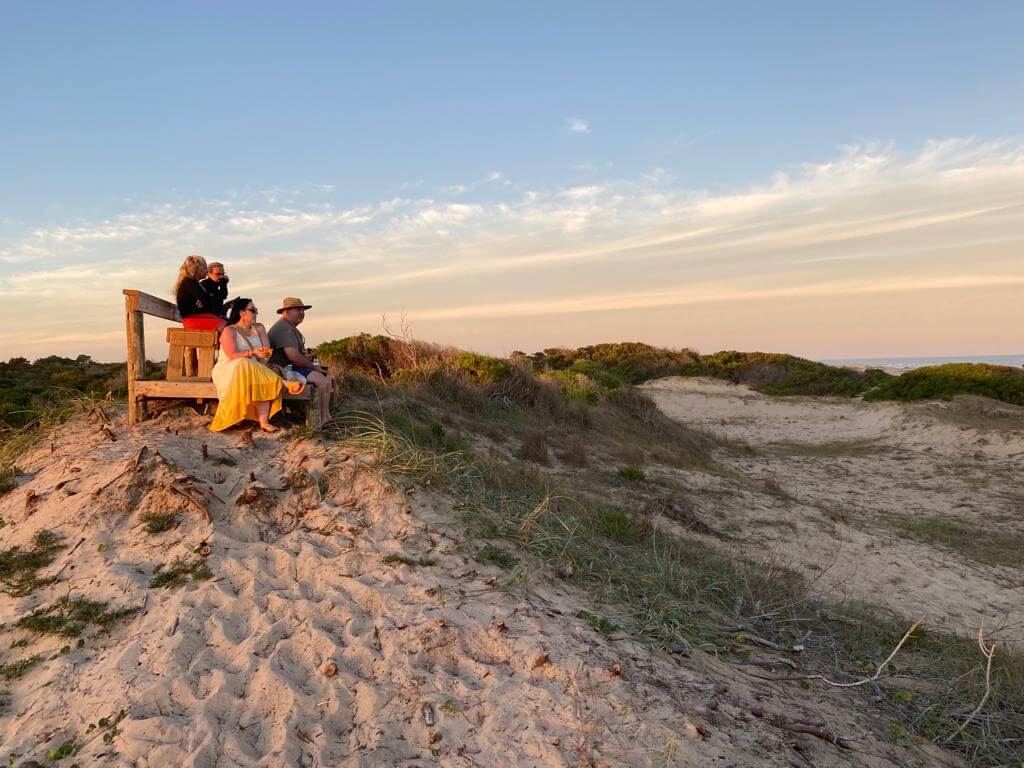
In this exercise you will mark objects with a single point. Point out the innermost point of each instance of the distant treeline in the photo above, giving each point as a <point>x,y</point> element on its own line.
<point>587,372</point>
<point>27,387</point>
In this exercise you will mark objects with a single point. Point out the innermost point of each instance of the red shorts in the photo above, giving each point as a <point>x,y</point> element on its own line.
<point>203,322</point>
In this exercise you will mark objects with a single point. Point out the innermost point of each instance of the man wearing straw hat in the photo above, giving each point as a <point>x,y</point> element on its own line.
<point>290,349</point>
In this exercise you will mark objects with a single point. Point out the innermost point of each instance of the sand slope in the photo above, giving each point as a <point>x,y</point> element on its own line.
<point>231,671</point>
<point>841,472</point>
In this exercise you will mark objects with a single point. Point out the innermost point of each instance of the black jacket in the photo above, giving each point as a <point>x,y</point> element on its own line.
<point>218,293</point>
<point>192,299</point>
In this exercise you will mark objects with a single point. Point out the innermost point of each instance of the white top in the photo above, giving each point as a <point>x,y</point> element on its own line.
<point>224,370</point>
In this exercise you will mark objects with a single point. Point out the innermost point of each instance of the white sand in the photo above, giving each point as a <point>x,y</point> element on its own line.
<point>844,468</point>
<point>230,672</point>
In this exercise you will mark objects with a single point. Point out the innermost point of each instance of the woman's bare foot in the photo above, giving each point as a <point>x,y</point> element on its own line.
<point>268,427</point>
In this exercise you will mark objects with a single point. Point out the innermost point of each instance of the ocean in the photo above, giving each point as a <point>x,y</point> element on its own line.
<point>908,363</point>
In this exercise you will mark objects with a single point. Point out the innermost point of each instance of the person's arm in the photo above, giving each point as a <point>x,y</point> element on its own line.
<point>229,345</point>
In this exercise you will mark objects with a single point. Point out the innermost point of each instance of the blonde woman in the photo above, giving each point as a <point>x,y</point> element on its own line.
<point>246,387</point>
<point>193,302</point>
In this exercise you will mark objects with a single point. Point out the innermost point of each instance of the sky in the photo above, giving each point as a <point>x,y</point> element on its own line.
<point>834,180</point>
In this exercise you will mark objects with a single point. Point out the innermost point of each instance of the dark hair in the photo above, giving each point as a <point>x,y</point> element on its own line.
<point>236,309</point>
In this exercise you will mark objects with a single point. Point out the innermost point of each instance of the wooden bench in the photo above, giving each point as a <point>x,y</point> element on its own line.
<point>136,305</point>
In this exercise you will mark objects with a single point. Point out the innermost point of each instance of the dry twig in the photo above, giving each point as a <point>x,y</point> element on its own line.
<point>988,651</point>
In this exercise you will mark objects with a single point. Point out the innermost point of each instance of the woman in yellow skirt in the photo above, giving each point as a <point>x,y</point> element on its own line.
<point>246,387</point>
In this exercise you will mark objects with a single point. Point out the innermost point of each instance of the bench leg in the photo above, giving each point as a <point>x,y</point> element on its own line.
<point>313,409</point>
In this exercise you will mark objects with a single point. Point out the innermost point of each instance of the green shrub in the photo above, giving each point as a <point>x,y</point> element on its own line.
<point>483,368</point>
<point>779,374</point>
<point>942,382</point>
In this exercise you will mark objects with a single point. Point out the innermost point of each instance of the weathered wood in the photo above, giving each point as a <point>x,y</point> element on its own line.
<point>151,305</point>
<point>191,338</point>
<point>135,361</point>
<point>313,411</point>
<point>186,390</point>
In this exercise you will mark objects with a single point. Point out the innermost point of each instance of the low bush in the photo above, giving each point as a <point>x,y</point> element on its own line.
<point>943,382</point>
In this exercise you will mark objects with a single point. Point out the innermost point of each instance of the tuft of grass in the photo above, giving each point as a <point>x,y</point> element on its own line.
<point>598,622</point>
<point>535,448</point>
<point>180,572</point>
<point>615,524</point>
<point>974,541</point>
<point>17,669</point>
<point>395,453</point>
<point>575,453</point>
<point>159,522</point>
<point>492,555</point>
<point>19,568</point>
<point>8,478</point>
<point>71,616</point>
<point>398,559</point>
<point>631,473</point>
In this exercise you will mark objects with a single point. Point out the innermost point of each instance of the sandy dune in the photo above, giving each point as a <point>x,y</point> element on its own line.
<point>841,472</point>
<point>231,671</point>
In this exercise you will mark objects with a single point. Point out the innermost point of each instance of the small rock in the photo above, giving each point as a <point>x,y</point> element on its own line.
<point>330,670</point>
<point>616,670</point>
<point>541,660</point>
<point>428,714</point>
<point>565,571</point>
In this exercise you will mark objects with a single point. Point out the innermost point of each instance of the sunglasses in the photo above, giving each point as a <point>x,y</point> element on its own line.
<point>252,309</point>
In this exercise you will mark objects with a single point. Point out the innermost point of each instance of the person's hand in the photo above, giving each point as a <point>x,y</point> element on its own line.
<point>264,353</point>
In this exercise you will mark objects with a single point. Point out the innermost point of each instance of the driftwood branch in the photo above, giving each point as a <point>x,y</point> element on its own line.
<point>988,651</point>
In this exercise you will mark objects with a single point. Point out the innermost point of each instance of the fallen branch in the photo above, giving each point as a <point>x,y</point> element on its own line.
<point>863,681</point>
<point>193,500</point>
<point>818,730</point>
<point>988,651</point>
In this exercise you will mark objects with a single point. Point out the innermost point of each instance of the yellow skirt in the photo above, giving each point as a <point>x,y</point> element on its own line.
<point>250,383</point>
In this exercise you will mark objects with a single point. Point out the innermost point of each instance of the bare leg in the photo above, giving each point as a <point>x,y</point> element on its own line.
<point>263,411</point>
<point>323,384</point>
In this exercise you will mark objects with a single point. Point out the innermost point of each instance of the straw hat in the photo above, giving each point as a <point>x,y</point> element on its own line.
<point>292,303</point>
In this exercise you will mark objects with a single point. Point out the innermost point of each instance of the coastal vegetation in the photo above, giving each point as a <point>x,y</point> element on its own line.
<point>943,382</point>
<point>495,434</point>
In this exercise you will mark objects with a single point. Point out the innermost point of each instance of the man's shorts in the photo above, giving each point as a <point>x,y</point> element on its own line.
<point>303,371</point>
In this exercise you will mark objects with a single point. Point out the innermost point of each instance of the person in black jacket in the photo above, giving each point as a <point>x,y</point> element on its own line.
<point>216,286</point>
<point>193,302</point>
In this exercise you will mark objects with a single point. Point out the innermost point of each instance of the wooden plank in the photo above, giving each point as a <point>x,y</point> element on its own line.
<point>192,389</point>
<point>177,389</point>
<point>151,305</point>
<point>175,362</point>
<point>191,337</point>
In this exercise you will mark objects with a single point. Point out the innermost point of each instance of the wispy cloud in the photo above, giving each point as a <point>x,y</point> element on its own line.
<point>869,223</point>
<point>577,125</point>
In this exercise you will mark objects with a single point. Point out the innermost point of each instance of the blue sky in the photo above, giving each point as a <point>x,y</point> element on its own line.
<point>114,110</point>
